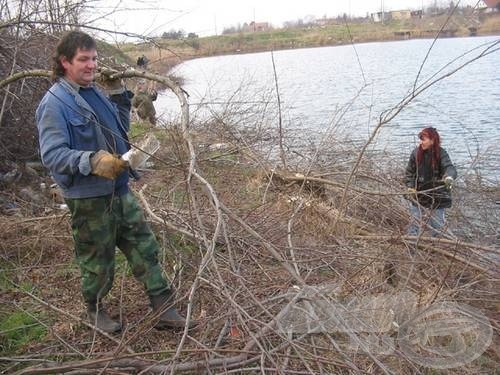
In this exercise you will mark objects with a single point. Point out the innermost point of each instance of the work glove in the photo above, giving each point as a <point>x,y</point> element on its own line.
<point>448,182</point>
<point>112,86</point>
<point>107,165</point>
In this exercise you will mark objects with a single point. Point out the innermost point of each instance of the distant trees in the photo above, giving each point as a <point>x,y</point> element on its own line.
<point>178,34</point>
<point>230,30</point>
<point>174,34</point>
<point>307,21</point>
<point>239,28</point>
<point>439,7</point>
<point>251,27</point>
<point>293,24</point>
<point>311,21</point>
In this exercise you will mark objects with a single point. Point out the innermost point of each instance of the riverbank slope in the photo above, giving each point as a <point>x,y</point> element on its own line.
<point>168,52</point>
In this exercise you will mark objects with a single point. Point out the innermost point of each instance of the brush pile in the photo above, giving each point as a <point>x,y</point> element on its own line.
<point>286,272</point>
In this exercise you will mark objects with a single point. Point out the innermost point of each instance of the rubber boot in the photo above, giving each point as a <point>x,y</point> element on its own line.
<point>99,317</point>
<point>168,316</point>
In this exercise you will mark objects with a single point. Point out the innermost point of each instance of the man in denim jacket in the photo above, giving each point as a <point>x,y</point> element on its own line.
<point>82,132</point>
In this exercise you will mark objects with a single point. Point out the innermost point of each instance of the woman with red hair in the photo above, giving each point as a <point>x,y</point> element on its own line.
<point>429,177</point>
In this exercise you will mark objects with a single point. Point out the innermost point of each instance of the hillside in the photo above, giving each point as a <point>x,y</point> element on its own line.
<point>171,52</point>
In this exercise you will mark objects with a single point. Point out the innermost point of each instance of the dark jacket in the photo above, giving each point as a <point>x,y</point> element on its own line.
<point>424,177</point>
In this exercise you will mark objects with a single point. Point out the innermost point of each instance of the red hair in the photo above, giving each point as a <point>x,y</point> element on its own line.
<point>433,135</point>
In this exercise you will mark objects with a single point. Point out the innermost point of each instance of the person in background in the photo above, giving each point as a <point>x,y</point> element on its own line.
<point>143,103</point>
<point>142,62</point>
<point>429,178</point>
<point>82,132</point>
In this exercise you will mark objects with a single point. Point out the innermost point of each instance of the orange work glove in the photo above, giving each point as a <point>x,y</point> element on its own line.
<point>107,165</point>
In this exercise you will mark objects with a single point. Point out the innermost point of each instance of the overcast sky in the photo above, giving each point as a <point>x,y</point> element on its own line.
<point>208,17</point>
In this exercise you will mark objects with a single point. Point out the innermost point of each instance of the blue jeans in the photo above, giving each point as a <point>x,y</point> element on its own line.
<point>425,217</point>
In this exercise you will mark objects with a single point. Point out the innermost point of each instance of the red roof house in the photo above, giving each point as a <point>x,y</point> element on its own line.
<point>492,3</point>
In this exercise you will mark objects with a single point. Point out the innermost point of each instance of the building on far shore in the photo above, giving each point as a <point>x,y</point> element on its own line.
<point>403,14</point>
<point>380,16</point>
<point>492,5</point>
<point>256,26</point>
<point>400,14</point>
<point>417,14</point>
<point>324,21</point>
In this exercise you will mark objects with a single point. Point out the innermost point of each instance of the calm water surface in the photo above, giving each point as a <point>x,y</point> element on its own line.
<point>344,90</point>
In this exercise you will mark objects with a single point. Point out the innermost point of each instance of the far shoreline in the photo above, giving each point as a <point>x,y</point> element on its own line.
<point>171,62</point>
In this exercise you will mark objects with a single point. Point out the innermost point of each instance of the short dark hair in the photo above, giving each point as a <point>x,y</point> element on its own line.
<point>67,47</point>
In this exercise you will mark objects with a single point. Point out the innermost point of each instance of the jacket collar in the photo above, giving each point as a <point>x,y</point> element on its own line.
<point>74,85</point>
<point>72,89</point>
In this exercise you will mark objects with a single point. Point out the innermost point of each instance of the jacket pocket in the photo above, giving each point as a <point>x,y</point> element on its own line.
<point>82,133</point>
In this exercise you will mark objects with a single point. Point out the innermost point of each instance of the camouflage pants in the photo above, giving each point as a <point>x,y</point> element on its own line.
<point>101,224</point>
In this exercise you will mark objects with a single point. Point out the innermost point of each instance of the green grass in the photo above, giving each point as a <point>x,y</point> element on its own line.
<point>121,264</point>
<point>137,129</point>
<point>183,246</point>
<point>19,329</point>
<point>68,271</point>
<point>5,285</point>
<point>6,275</point>
<point>178,198</point>
<point>106,49</point>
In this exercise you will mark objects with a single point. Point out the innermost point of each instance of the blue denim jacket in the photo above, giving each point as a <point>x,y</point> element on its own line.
<point>68,137</point>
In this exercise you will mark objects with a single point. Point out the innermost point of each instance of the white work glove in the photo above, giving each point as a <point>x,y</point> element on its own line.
<point>448,182</point>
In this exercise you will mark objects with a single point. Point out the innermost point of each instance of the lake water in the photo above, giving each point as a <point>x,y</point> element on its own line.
<point>344,90</point>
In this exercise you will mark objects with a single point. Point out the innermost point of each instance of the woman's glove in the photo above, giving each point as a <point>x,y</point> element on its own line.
<point>107,165</point>
<point>448,182</point>
<point>411,194</point>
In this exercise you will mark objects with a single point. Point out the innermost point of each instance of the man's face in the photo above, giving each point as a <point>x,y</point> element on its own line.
<point>81,69</point>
